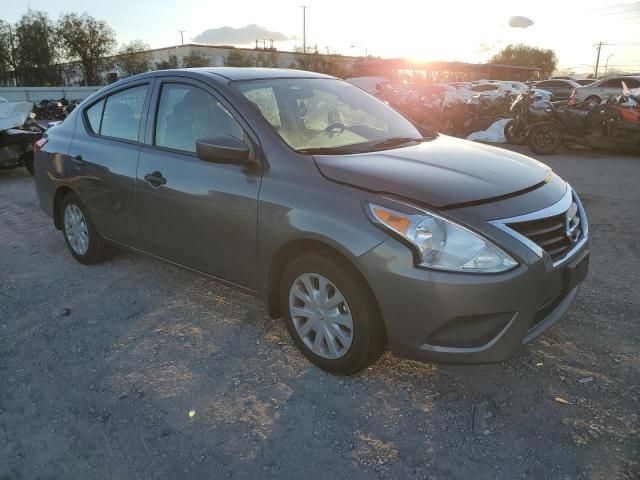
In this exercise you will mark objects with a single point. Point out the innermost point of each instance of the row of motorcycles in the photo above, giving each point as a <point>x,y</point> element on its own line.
<point>610,125</point>
<point>544,126</point>
<point>458,118</point>
<point>55,109</point>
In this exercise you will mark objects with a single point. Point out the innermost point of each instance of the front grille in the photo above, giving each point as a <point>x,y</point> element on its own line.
<point>556,235</point>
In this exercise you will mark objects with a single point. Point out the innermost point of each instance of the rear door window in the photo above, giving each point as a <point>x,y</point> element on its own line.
<point>613,83</point>
<point>122,113</point>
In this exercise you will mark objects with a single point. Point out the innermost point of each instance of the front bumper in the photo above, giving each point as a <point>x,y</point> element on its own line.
<point>453,317</point>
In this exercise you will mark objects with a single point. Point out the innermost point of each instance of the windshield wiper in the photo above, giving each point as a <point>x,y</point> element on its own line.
<point>327,151</point>
<point>396,141</point>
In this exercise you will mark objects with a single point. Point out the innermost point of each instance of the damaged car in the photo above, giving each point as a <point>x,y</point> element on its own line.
<point>18,132</point>
<point>359,229</point>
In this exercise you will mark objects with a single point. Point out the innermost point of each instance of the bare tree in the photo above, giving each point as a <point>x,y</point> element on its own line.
<point>87,40</point>
<point>133,58</point>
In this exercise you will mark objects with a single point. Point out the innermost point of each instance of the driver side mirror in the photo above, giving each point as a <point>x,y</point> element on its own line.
<point>222,149</point>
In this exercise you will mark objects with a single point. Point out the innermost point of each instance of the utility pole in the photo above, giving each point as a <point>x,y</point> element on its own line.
<point>182,36</point>
<point>598,59</point>
<point>304,28</point>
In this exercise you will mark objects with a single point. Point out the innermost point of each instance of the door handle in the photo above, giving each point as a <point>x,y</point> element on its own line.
<point>155,179</point>
<point>78,160</point>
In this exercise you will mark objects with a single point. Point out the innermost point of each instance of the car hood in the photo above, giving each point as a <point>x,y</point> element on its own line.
<point>442,172</point>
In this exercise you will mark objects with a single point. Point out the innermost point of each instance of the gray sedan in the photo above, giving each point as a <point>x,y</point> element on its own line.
<point>362,230</point>
<point>561,89</point>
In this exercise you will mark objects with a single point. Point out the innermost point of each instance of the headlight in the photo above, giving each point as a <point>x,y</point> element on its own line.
<point>443,244</point>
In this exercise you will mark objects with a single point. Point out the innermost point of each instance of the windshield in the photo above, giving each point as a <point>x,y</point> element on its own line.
<point>320,115</point>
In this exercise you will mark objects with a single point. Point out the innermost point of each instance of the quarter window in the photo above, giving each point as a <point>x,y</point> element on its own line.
<point>187,114</point>
<point>94,116</point>
<point>122,113</point>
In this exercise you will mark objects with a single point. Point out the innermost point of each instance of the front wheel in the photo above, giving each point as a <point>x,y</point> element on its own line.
<point>80,235</point>
<point>515,134</point>
<point>544,139</point>
<point>331,314</point>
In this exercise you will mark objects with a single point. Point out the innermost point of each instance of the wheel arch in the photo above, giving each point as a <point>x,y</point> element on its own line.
<point>291,250</point>
<point>61,192</point>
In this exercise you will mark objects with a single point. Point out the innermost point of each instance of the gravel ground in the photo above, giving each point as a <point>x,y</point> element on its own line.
<point>138,369</point>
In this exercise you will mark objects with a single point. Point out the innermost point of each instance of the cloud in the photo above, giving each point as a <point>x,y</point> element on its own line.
<point>484,47</point>
<point>238,36</point>
<point>520,22</point>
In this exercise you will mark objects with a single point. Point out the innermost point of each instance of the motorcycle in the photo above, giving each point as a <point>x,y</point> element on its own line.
<point>526,110</point>
<point>52,109</point>
<point>604,126</point>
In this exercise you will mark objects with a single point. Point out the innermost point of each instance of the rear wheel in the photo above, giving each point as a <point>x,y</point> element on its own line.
<point>514,134</point>
<point>331,314</point>
<point>544,139</point>
<point>80,235</point>
<point>593,99</point>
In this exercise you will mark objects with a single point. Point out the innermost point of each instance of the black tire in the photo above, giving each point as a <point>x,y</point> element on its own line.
<point>514,137</point>
<point>369,338</point>
<point>544,139</point>
<point>28,161</point>
<point>97,249</point>
<point>593,99</point>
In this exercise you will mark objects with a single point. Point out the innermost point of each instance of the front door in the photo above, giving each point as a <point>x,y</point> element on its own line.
<point>196,213</point>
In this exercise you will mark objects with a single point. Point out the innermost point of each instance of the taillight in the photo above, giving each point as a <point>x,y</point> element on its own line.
<point>573,93</point>
<point>39,144</point>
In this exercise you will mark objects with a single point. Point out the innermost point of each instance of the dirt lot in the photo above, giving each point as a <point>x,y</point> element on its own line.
<point>138,369</point>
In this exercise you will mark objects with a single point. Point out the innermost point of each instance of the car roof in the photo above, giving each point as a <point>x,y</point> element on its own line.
<point>244,73</point>
<point>620,77</point>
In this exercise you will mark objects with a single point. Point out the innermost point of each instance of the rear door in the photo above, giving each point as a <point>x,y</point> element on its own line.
<point>104,157</point>
<point>196,213</point>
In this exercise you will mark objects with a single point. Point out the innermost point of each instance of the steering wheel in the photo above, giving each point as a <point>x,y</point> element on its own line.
<point>336,127</point>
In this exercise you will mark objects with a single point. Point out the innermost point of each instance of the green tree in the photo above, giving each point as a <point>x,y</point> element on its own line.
<point>133,58</point>
<point>527,56</point>
<point>171,62</point>
<point>8,60</point>
<point>239,59</point>
<point>195,59</point>
<point>90,41</point>
<point>36,50</point>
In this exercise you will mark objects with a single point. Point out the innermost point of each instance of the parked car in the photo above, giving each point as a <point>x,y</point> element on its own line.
<point>459,85</point>
<point>603,89</point>
<point>585,81</point>
<point>560,88</point>
<point>18,132</point>
<point>361,230</point>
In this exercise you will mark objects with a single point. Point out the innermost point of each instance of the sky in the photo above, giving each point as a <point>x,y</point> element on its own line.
<point>461,30</point>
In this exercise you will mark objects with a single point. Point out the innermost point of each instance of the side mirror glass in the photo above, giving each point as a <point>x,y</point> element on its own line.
<point>222,149</point>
